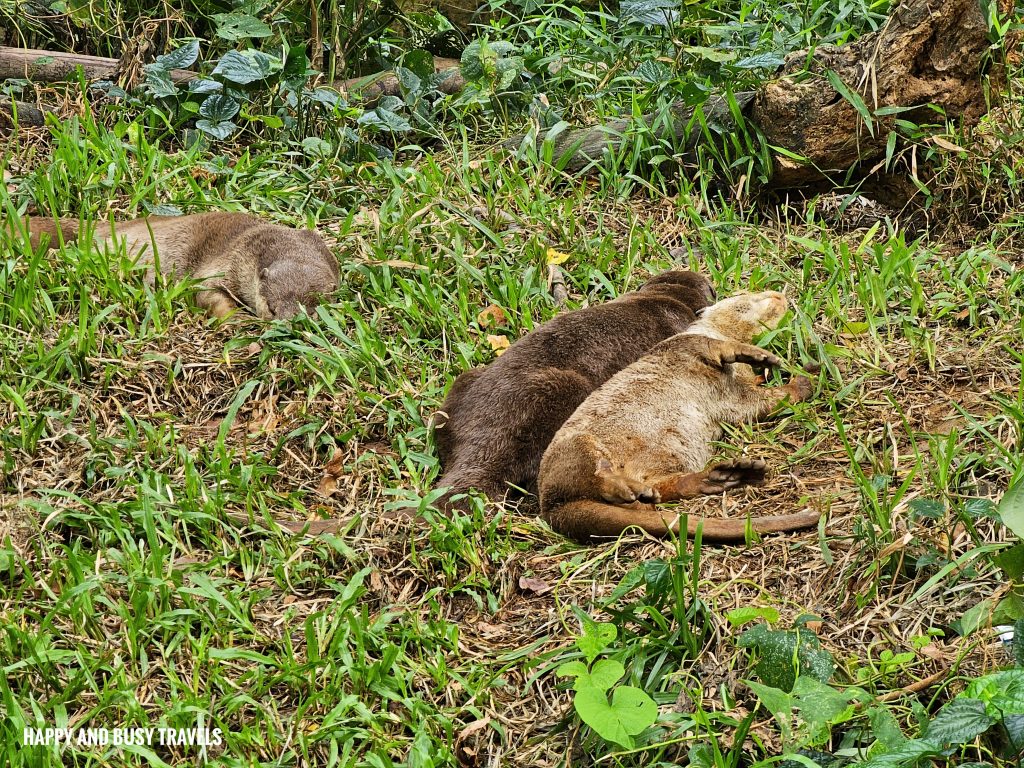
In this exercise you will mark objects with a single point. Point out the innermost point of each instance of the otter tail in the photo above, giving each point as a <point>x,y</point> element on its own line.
<point>38,227</point>
<point>585,519</point>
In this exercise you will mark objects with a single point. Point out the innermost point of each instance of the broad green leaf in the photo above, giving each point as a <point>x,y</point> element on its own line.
<point>974,617</point>
<point>158,82</point>
<point>960,721</point>
<point>605,673</point>
<point>905,755</point>
<point>657,572</point>
<point>651,13</point>
<point>219,107</point>
<point>886,727</point>
<point>777,650</point>
<point>244,67</point>
<point>219,130</point>
<point>710,54</point>
<point>740,616</point>
<point>1002,692</point>
<point>929,508</point>
<point>409,80</point>
<point>203,85</point>
<point>572,669</point>
<point>652,71</point>
<point>595,638</point>
<point>182,57</point>
<point>238,26</point>
<point>1011,509</point>
<point>419,62</point>
<point>630,712</point>
<point>775,700</point>
<point>760,61</point>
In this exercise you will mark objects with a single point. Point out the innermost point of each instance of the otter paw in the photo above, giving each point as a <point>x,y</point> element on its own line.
<point>733,474</point>
<point>799,388</point>
<point>726,353</point>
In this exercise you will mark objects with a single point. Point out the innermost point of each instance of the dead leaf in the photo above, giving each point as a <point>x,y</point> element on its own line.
<point>397,264</point>
<point>492,630</point>
<point>254,349</point>
<point>941,142</point>
<point>536,586</point>
<point>498,343</point>
<point>468,755</point>
<point>332,472</point>
<point>491,317</point>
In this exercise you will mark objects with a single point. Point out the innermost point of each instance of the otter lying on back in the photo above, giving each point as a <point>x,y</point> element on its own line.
<point>498,419</point>
<point>645,436</point>
<point>242,260</point>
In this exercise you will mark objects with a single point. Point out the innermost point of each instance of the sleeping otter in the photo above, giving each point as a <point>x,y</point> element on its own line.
<point>243,261</point>
<point>645,436</point>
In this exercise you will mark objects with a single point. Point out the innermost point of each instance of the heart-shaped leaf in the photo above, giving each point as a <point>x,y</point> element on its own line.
<point>244,67</point>
<point>629,713</point>
<point>237,26</point>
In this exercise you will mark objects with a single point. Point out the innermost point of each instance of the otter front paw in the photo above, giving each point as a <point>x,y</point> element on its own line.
<point>734,474</point>
<point>726,353</point>
<point>616,488</point>
<point>798,389</point>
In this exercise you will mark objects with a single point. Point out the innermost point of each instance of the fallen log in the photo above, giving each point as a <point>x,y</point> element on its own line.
<point>371,88</point>
<point>27,114</point>
<point>831,109</point>
<point>56,66</point>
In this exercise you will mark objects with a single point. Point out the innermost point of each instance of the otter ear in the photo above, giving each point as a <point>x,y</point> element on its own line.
<point>604,467</point>
<point>265,273</point>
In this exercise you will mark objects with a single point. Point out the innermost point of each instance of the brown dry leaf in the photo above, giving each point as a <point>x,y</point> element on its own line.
<point>491,317</point>
<point>468,755</point>
<point>536,586</point>
<point>492,630</point>
<point>332,472</point>
<point>289,599</point>
<point>265,416</point>
<point>941,142</point>
<point>498,343</point>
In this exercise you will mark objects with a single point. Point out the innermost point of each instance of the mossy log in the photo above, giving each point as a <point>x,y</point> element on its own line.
<point>928,55</point>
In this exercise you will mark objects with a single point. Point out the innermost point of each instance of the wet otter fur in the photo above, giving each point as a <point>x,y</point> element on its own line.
<point>242,260</point>
<point>645,436</point>
<point>496,421</point>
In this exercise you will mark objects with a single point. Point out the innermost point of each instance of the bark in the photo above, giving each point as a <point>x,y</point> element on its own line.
<point>55,66</point>
<point>927,55</point>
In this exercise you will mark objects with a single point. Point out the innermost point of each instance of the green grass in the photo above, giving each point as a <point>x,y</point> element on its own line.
<point>147,451</point>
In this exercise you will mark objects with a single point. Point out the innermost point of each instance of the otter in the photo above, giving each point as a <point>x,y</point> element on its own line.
<point>496,421</point>
<point>242,260</point>
<point>644,437</point>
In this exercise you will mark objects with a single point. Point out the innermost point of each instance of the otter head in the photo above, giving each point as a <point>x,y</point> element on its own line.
<point>692,288</point>
<point>288,287</point>
<point>745,315</point>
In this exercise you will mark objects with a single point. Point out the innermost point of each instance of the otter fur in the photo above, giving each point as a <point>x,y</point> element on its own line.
<point>241,260</point>
<point>496,421</point>
<point>645,436</point>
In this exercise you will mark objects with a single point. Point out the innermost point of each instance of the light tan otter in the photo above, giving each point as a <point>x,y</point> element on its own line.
<point>645,436</point>
<point>242,260</point>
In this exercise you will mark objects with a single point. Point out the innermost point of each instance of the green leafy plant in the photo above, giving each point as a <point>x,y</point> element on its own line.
<point>630,710</point>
